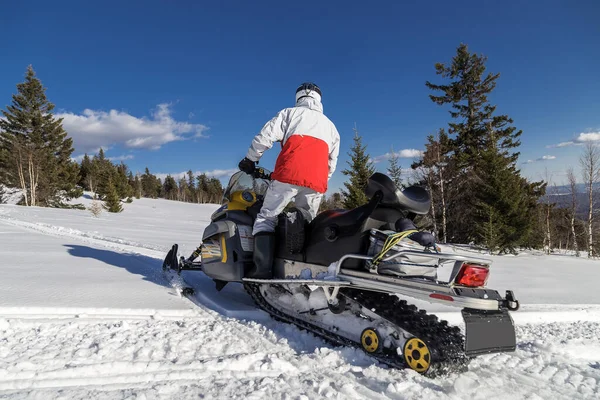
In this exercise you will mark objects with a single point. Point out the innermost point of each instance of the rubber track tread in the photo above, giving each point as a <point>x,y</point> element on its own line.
<point>446,343</point>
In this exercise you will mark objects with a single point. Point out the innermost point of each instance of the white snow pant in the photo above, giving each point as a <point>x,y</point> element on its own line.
<point>278,196</point>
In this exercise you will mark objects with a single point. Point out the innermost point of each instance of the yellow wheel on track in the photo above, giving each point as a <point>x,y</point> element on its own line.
<point>370,340</point>
<point>417,355</point>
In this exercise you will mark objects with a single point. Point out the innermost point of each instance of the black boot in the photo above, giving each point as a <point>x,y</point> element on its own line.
<point>264,250</point>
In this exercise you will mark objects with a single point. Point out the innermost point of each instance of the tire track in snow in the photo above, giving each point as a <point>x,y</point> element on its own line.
<point>87,237</point>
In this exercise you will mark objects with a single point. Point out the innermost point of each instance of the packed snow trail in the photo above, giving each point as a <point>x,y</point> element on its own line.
<point>217,357</point>
<point>86,313</point>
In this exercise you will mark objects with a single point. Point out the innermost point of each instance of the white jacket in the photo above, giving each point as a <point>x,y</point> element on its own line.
<point>310,145</point>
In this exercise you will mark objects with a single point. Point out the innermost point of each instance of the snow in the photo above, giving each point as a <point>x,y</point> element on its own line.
<point>85,313</point>
<point>10,195</point>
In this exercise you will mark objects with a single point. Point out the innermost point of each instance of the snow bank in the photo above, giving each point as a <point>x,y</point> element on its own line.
<point>10,195</point>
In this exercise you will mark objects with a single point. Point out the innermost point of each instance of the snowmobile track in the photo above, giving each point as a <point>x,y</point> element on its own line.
<point>446,342</point>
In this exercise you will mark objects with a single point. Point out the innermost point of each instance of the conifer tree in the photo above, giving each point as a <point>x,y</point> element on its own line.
<point>112,202</point>
<point>191,185</point>
<point>483,154</point>
<point>85,172</point>
<point>394,170</point>
<point>122,181</point>
<point>137,186</point>
<point>202,188</point>
<point>151,185</point>
<point>35,151</point>
<point>170,188</point>
<point>359,171</point>
<point>105,172</point>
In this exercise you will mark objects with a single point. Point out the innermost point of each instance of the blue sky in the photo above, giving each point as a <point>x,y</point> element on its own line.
<point>187,84</point>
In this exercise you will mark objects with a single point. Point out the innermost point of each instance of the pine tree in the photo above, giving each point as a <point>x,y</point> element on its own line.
<point>394,170</point>
<point>191,186</point>
<point>170,188</point>
<point>35,151</point>
<point>183,190</point>
<point>215,191</point>
<point>359,171</point>
<point>202,188</point>
<point>483,155</point>
<point>112,202</point>
<point>87,177</point>
<point>122,181</point>
<point>105,172</point>
<point>151,186</point>
<point>137,186</point>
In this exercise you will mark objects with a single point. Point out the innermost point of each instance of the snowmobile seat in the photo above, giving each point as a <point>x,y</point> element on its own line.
<point>414,199</point>
<point>335,233</point>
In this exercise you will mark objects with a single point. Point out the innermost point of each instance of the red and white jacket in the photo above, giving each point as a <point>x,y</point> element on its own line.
<point>310,145</point>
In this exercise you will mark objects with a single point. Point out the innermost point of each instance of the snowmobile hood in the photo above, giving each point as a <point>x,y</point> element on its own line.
<point>310,103</point>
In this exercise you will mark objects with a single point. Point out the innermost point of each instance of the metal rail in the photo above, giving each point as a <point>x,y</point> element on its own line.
<point>440,256</point>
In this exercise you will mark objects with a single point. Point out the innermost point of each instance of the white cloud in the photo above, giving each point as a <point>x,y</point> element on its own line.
<point>543,158</point>
<point>580,139</point>
<point>93,129</point>
<point>406,153</point>
<point>215,173</point>
<point>562,144</point>
<point>122,157</point>
<point>113,159</point>
<point>588,137</point>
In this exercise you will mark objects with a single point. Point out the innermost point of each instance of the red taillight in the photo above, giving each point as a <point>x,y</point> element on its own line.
<point>441,296</point>
<point>472,275</point>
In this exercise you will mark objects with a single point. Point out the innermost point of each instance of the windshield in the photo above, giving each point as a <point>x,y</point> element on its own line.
<point>242,181</point>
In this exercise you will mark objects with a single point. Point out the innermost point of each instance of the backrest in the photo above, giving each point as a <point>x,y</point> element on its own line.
<point>414,198</point>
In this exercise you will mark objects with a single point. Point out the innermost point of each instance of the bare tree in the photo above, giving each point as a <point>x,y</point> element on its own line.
<point>590,165</point>
<point>573,190</point>
<point>548,238</point>
<point>441,164</point>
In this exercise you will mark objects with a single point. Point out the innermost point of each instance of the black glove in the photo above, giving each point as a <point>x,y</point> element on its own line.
<point>247,165</point>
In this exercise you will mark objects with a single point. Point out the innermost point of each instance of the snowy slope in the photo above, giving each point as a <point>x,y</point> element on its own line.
<point>86,313</point>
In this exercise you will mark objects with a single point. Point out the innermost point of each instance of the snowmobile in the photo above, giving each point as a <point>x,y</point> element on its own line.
<point>349,276</point>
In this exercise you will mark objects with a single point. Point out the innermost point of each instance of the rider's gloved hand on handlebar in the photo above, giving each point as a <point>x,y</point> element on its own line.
<point>247,165</point>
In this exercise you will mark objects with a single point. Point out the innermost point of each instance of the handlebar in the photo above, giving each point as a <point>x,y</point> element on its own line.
<point>260,173</point>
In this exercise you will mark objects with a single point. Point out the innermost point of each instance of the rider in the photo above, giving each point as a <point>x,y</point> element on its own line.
<point>310,146</point>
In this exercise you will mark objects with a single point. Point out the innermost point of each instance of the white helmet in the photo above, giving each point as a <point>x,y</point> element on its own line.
<point>308,89</point>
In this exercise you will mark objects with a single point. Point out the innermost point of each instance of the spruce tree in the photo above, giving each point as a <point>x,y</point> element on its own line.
<point>395,171</point>
<point>137,186</point>
<point>202,188</point>
<point>35,151</point>
<point>170,188</point>
<point>483,154</point>
<point>151,186</point>
<point>112,202</point>
<point>359,171</point>
<point>191,185</point>
<point>105,171</point>
<point>86,179</point>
